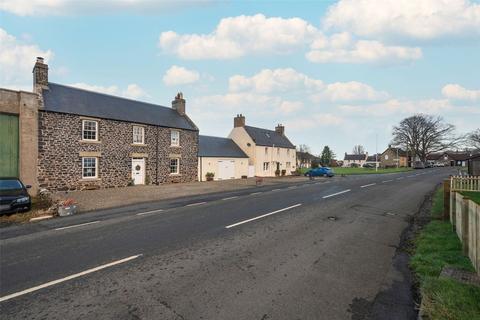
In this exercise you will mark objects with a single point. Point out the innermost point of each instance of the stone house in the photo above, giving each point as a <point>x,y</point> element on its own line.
<point>87,139</point>
<point>269,152</point>
<point>222,157</point>
<point>394,157</point>
<point>354,160</point>
<point>473,164</point>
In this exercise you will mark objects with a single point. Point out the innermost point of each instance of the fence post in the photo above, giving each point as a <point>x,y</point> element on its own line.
<point>453,209</point>
<point>464,222</point>
<point>446,199</point>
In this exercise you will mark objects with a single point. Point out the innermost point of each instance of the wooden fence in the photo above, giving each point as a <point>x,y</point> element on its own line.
<point>459,183</point>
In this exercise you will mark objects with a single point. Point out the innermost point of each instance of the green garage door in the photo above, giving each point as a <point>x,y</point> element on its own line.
<point>8,145</point>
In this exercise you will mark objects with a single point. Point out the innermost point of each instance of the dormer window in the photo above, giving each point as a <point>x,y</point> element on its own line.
<point>89,130</point>
<point>267,134</point>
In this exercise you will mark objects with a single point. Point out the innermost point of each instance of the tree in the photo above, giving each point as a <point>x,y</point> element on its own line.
<point>473,139</point>
<point>424,134</point>
<point>358,149</point>
<point>303,148</point>
<point>327,156</point>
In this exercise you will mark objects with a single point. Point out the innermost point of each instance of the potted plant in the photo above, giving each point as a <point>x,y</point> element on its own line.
<point>284,172</point>
<point>210,176</point>
<point>67,207</point>
<point>277,172</point>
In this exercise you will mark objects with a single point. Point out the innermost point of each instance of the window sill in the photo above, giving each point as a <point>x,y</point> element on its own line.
<point>139,145</point>
<point>175,174</point>
<point>90,179</point>
<point>90,141</point>
<point>175,146</point>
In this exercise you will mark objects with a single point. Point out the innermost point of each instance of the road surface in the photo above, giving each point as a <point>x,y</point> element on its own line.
<point>323,249</point>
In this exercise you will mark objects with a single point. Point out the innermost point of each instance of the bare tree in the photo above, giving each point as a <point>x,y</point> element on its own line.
<point>358,149</point>
<point>424,134</point>
<point>303,148</point>
<point>473,139</point>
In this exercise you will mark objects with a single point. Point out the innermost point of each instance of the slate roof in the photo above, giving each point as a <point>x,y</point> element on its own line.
<point>268,138</point>
<point>355,156</point>
<point>372,158</point>
<point>219,147</point>
<point>65,99</point>
<point>401,152</point>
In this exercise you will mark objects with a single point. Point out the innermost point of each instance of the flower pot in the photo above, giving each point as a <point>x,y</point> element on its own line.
<point>67,211</point>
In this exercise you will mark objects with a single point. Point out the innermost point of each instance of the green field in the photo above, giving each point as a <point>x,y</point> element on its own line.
<point>435,247</point>
<point>475,196</point>
<point>350,171</point>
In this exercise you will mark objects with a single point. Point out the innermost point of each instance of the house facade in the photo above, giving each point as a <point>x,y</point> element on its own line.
<point>393,157</point>
<point>354,160</point>
<point>269,152</point>
<point>222,158</point>
<point>450,158</point>
<point>91,140</point>
<point>304,159</point>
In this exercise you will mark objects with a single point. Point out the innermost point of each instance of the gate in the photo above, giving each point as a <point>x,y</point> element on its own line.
<point>8,145</point>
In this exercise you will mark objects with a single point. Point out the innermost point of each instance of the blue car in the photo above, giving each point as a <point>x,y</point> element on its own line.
<point>320,172</point>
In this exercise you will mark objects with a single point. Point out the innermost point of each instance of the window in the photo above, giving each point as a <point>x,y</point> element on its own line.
<point>174,166</point>
<point>89,167</point>
<point>89,130</point>
<point>278,151</point>
<point>265,166</point>
<point>175,138</point>
<point>266,151</point>
<point>288,152</point>
<point>288,164</point>
<point>138,135</point>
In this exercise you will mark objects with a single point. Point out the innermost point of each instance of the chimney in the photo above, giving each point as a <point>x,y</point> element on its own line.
<point>40,75</point>
<point>179,103</point>
<point>280,129</point>
<point>239,121</point>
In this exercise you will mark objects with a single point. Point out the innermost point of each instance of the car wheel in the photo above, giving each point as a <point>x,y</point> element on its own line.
<point>324,174</point>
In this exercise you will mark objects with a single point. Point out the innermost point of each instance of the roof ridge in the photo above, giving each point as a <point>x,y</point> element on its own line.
<point>109,95</point>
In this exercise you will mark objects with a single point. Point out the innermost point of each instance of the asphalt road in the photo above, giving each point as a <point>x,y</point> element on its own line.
<point>317,250</point>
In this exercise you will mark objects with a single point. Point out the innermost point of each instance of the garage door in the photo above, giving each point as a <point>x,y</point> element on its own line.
<point>226,169</point>
<point>8,145</point>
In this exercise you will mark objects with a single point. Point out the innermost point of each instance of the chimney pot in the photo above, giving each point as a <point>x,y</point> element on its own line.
<point>280,129</point>
<point>178,103</point>
<point>239,121</point>
<point>40,75</point>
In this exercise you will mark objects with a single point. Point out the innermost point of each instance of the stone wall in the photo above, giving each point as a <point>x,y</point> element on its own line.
<point>60,147</point>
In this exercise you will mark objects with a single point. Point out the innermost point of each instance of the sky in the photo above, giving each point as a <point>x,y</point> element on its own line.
<point>336,73</point>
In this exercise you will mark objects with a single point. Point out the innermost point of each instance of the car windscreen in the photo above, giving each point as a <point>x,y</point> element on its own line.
<point>10,184</point>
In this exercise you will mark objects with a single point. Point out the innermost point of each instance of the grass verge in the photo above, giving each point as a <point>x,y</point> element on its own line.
<point>435,247</point>
<point>474,196</point>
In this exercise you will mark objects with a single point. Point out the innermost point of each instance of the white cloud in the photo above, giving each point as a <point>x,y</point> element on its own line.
<point>133,91</point>
<point>179,75</point>
<point>288,81</point>
<point>237,36</point>
<point>349,91</point>
<point>64,7</point>
<point>419,19</point>
<point>17,60</point>
<point>314,121</point>
<point>290,106</point>
<point>457,92</point>
<point>276,80</point>
<point>342,48</point>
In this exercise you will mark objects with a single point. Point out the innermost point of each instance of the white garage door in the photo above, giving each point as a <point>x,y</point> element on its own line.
<point>226,169</point>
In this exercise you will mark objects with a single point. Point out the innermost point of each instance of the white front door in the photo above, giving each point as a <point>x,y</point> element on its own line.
<point>226,169</point>
<point>138,170</point>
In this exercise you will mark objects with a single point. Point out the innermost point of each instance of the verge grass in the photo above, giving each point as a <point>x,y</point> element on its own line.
<point>437,246</point>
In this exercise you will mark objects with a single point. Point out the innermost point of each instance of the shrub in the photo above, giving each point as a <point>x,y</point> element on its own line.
<point>284,172</point>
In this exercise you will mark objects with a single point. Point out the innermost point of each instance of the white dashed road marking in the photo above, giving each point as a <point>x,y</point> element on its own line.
<point>368,185</point>
<point>336,194</point>
<point>262,216</point>
<point>77,225</point>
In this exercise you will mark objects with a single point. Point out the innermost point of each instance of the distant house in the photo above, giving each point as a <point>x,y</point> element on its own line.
<point>222,157</point>
<point>450,158</point>
<point>354,160</point>
<point>269,151</point>
<point>394,157</point>
<point>305,159</point>
<point>473,164</point>
<point>374,160</point>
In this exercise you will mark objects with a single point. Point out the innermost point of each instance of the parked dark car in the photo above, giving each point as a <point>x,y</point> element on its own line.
<point>369,165</point>
<point>320,172</point>
<point>418,165</point>
<point>14,196</point>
